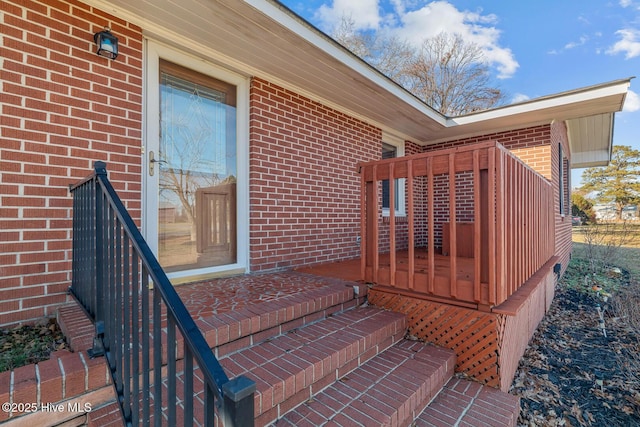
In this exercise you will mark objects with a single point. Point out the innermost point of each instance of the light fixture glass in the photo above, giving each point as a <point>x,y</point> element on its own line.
<point>106,43</point>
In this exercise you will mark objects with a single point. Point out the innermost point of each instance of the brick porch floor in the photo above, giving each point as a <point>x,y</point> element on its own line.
<point>291,332</point>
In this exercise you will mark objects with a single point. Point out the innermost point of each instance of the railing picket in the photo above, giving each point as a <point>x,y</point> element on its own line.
<point>157,357</point>
<point>111,292</point>
<point>146,347</point>
<point>453,233</point>
<point>127,308</point>
<point>187,376</point>
<point>119,305</point>
<point>431,238</point>
<point>107,242</point>
<point>392,226</point>
<point>135,339</point>
<point>376,232</point>
<point>477,224</point>
<point>494,181</point>
<point>171,371</point>
<point>364,239</point>
<point>209,413</point>
<point>512,221</point>
<point>411,224</point>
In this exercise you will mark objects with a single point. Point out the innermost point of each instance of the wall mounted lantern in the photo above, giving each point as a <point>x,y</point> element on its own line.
<point>107,44</point>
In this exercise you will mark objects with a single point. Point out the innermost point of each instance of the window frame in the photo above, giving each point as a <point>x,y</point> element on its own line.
<point>400,187</point>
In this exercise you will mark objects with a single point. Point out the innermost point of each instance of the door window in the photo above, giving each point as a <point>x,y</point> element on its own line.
<point>197,170</point>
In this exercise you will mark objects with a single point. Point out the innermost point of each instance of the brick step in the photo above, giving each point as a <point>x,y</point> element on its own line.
<point>106,416</point>
<point>231,331</point>
<point>467,403</point>
<point>391,389</point>
<point>291,368</point>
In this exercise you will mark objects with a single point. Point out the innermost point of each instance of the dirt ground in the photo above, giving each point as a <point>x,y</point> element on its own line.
<point>574,375</point>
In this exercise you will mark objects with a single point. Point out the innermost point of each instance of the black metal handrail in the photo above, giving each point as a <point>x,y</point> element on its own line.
<point>113,270</point>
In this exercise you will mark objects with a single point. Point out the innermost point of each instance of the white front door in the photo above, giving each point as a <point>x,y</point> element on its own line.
<point>195,207</point>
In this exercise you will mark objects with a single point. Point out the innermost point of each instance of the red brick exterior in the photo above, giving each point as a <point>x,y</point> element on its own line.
<point>563,220</point>
<point>304,186</point>
<point>63,108</point>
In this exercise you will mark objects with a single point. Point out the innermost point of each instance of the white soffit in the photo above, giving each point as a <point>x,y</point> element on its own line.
<point>263,38</point>
<point>584,103</point>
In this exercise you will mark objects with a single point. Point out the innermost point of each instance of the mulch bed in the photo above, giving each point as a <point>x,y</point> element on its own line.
<point>26,344</point>
<point>572,375</point>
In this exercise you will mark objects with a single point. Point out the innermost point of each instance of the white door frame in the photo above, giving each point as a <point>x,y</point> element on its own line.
<point>154,51</point>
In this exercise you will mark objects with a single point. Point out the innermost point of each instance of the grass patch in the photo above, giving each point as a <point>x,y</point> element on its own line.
<point>593,269</point>
<point>626,233</point>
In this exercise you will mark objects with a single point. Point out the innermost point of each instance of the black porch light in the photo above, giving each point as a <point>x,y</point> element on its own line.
<point>106,43</point>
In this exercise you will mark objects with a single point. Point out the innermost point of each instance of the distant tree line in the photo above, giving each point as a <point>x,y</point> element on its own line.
<point>617,184</point>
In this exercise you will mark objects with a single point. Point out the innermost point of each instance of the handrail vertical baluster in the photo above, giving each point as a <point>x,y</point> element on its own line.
<point>127,308</point>
<point>157,358</point>
<point>135,339</point>
<point>146,346</point>
<point>171,369</point>
<point>188,385</point>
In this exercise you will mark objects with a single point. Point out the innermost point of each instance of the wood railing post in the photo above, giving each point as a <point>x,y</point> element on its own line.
<point>392,225</point>
<point>373,217</point>
<point>477,226</point>
<point>501,255</point>
<point>431,245</point>
<point>411,225</point>
<point>453,235</point>
<point>363,225</point>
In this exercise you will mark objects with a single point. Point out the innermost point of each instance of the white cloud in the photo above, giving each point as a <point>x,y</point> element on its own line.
<point>365,14</point>
<point>629,43</point>
<point>403,18</point>
<point>631,102</point>
<point>520,97</point>
<point>580,42</point>
<point>626,3</point>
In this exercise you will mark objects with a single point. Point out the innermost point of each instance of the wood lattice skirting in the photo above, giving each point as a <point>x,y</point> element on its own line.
<point>488,345</point>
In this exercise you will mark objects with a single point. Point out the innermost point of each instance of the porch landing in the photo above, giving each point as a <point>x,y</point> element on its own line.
<point>317,354</point>
<point>488,344</point>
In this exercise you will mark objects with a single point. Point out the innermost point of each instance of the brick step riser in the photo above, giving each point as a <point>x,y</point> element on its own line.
<point>228,333</point>
<point>391,389</point>
<point>289,369</point>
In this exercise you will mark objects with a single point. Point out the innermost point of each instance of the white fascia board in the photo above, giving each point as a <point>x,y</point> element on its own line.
<point>540,104</point>
<point>590,159</point>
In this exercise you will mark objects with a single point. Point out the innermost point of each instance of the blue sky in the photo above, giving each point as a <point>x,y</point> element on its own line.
<point>533,48</point>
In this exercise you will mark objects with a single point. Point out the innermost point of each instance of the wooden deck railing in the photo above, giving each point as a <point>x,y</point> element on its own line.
<point>503,211</point>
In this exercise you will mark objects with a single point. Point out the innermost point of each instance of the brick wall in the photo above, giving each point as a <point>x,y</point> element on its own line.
<point>531,145</point>
<point>563,222</point>
<point>63,108</point>
<point>304,186</point>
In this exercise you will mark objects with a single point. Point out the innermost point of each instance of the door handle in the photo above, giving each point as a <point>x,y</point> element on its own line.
<point>152,162</point>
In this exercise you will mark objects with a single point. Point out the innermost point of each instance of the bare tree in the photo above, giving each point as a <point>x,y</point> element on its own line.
<point>387,53</point>
<point>447,73</point>
<point>451,76</point>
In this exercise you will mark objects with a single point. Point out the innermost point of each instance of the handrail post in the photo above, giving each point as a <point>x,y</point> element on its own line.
<point>238,402</point>
<point>97,350</point>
